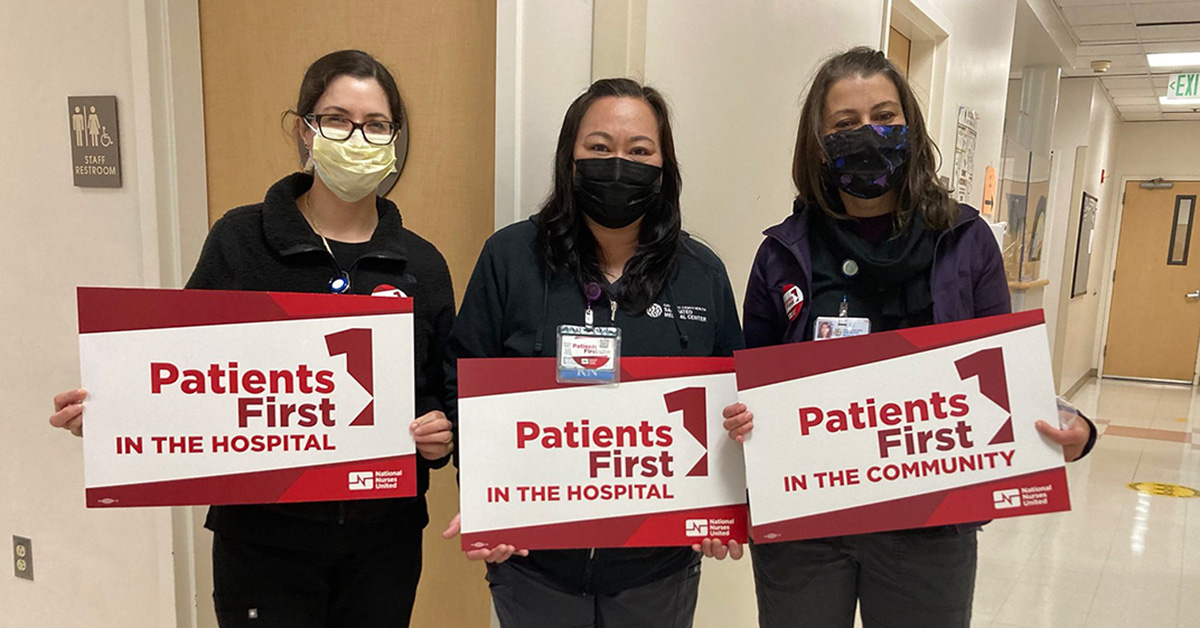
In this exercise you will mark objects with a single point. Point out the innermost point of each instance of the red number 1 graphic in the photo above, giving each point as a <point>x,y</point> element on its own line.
<point>988,366</point>
<point>692,402</point>
<point>355,344</point>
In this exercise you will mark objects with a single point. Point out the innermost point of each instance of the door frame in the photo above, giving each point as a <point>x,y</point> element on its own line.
<point>164,37</point>
<point>1111,266</point>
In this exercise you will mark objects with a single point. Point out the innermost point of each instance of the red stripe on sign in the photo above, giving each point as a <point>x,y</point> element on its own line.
<point>782,363</point>
<point>482,377</point>
<point>131,309</point>
<point>362,479</point>
<point>965,504</point>
<point>679,528</point>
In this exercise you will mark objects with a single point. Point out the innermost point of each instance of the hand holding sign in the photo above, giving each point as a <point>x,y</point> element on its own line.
<point>494,554</point>
<point>68,411</point>
<point>738,421</point>
<point>433,436</point>
<point>1073,438</point>
<point>713,548</point>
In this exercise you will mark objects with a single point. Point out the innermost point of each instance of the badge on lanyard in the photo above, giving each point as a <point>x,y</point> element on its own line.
<point>841,326</point>
<point>590,354</point>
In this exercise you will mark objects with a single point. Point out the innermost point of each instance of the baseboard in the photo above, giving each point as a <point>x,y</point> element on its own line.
<point>1079,384</point>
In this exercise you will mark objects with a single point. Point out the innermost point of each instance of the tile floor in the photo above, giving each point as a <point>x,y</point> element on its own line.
<point>1119,558</point>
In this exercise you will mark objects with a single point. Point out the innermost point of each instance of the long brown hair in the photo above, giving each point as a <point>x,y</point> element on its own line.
<point>564,241</point>
<point>920,192</point>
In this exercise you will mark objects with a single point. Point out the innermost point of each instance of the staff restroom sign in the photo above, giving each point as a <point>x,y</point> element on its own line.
<point>95,147</point>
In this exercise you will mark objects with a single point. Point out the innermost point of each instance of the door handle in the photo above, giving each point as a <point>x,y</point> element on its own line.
<point>1193,295</point>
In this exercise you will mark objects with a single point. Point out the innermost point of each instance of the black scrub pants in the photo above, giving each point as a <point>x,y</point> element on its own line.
<point>523,600</point>
<point>922,578</point>
<point>258,586</point>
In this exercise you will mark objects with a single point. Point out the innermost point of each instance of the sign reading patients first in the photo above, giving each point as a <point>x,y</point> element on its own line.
<point>214,397</point>
<point>920,427</point>
<point>642,463</point>
<point>95,143</point>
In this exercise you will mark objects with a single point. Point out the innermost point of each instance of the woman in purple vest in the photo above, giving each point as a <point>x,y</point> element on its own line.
<point>874,242</point>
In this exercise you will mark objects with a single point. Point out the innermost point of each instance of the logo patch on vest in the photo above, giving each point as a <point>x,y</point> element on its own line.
<point>387,290</point>
<point>793,300</point>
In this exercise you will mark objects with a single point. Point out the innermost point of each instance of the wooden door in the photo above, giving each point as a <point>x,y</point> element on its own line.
<point>899,50</point>
<point>1154,326</point>
<point>442,55</point>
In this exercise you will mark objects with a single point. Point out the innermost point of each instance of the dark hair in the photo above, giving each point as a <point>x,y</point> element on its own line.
<point>920,192</point>
<point>334,65</point>
<point>566,245</point>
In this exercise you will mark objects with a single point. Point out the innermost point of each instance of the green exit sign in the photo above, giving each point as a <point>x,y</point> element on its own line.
<point>1184,86</point>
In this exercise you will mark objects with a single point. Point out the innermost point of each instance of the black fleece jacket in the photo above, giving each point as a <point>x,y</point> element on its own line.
<point>270,247</point>
<point>512,308</point>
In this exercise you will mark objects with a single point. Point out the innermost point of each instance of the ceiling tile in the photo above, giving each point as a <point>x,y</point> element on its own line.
<point>1127,82</point>
<point>1103,51</point>
<point>1141,117</point>
<point>1180,109</point>
<point>1103,14</point>
<point>1181,116</point>
<point>1083,3</point>
<point>1109,32</point>
<point>1143,92</point>
<point>1160,81</point>
<point>1136,100</point>
<point>1173,32</point>
<point>1139,109</point>
<point>1128,61</point>
<point>1172,46</point>
<point>1165,11</point>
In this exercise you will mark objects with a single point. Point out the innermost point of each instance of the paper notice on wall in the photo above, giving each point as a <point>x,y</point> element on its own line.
<point>964,154</point>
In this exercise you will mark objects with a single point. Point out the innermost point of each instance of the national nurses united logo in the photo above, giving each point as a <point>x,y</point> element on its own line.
<point>793,300</point>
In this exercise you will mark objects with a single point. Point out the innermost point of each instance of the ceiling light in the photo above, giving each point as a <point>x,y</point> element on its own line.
<point>1100,66</point>
<point>1173,59</point>
<point>1179,102</point>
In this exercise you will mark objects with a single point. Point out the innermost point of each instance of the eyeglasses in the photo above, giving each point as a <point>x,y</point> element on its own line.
<point>339,128</point>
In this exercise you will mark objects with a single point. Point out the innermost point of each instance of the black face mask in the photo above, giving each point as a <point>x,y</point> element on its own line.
<point>868,161</point>
<point>616,192</point>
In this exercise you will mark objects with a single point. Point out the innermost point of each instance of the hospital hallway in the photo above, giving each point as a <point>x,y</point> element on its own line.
<point>1121,557</point>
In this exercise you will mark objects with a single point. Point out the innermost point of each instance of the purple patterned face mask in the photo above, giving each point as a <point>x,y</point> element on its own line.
<point>868,161</point>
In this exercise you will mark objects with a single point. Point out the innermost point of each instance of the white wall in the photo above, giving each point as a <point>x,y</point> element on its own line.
<point>1083,330</point>
<point>734,76</point>
<point>980,47</point>
<point>92,568</point>
<point>543,62</point>
<point>1073,128</point>
<point>1159,149</point>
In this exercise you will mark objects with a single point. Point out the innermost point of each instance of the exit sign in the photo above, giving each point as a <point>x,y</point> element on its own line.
<point>1184,86</point>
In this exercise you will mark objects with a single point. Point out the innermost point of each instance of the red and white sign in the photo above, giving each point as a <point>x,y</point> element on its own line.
<point>642,463</point>
<point>920,427</point>
<point>215,397</point>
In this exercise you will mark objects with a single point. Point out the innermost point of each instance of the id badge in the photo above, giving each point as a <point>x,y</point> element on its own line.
<point>588,355</point>
<point>830,327</point>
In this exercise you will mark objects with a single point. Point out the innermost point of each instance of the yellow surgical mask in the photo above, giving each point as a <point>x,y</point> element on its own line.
<point>351,169</point>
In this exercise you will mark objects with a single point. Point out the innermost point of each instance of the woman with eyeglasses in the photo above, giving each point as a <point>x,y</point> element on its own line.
<point>874,239</point>
<point>325,230</point>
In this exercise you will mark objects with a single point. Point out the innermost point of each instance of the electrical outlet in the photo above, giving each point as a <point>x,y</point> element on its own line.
<point>22,557</point>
